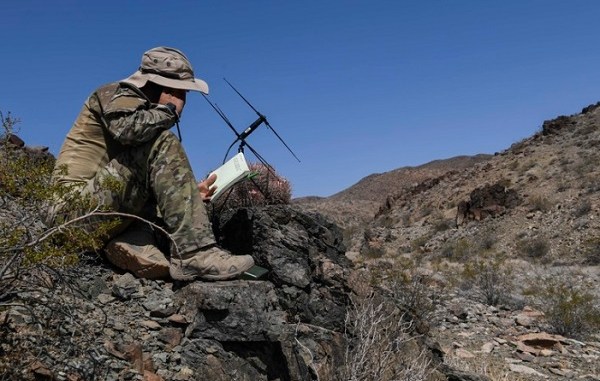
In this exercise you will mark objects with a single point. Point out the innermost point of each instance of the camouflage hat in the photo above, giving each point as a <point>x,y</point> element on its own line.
<point>167,67</point>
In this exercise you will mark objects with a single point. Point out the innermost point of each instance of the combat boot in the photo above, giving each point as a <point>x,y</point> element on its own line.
<point>135,250</point>
<point>209,263</point>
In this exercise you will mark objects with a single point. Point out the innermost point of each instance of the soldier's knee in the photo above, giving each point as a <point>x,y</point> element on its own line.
<point>167,143</point>
<point>167,137</point>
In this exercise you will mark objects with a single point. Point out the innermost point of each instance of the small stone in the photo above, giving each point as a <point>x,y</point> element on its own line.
<point>488,347</point>
<point>464,354</point>
<point>521,347</point>
<point>118,326</point>
<point>171,337</point>
<point>150,324</point>
<point>546,352</point>
<point>524,320</point>
<point>525,370</point>
<point>558,372</point>
<point>150,376</point>
<point>528,357</point>
<point>177,318</point>
<point>105,298</point>
<point>125,286</point>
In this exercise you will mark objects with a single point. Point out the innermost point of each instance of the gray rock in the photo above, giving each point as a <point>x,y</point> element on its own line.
<point>125,286</point>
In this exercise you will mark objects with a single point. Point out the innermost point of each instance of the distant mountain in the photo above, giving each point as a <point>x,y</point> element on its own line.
<point>377,187</point>
<point>356,206</point>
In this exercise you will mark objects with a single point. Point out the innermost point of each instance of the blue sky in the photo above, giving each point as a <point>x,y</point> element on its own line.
<point>353,87</point>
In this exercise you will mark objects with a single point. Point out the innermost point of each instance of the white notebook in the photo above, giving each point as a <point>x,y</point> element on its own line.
<point>233,171</point>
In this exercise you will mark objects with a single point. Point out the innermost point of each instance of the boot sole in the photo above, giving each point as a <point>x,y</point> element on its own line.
<point>177,274</point>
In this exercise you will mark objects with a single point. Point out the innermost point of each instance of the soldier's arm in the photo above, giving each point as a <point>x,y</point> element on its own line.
<point>131,119</point>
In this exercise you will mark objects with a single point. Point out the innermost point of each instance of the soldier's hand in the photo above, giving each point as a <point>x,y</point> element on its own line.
<point>206,189</point>
<point>174,96</point>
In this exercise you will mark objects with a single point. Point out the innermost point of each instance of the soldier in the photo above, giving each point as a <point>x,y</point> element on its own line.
<point>121,138</point>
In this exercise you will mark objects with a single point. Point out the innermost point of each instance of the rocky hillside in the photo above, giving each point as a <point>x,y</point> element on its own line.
<point>355,207</point>
<point>514,243</point>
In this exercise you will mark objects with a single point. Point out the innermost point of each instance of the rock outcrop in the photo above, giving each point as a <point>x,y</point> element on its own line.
<point>487,201</point>
<point>288,326</point>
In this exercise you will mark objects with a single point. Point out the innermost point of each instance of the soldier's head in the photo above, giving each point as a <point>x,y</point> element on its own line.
<point>168,68</point>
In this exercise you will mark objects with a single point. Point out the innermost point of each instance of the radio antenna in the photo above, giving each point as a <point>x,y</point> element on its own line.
<point>261,119</point>
<point>239,137</point>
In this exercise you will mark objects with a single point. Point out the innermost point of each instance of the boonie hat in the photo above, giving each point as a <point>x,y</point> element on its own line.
<point>167,67</point>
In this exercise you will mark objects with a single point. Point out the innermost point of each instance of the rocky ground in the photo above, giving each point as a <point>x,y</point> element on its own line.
<point>512,344</point>
<point>94,322</point>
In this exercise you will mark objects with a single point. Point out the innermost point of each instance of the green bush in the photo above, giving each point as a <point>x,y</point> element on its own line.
<point>492,280</point>
<point>419,242</point>
<point>569,308</point>
<point>26,191</point>
<point>458,250</point>
<point>536,247</point>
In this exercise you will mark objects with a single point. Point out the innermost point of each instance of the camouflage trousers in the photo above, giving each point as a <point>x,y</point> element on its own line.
<point>153,178</point>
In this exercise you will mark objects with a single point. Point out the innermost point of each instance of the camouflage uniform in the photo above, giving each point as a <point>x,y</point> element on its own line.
<point>122,139</point>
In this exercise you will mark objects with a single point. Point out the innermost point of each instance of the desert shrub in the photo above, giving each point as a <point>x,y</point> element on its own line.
<point>535,247</point>
<point>492,279</point>
<point>420,242</point>
<point>443,224</point>
<point>426,210</point>
<point>513,165</point>
<point>591,184</point>
<point>583,208</point>
<point>372,244</point>
<point>37,273</point>
<point>380,344</point>
<point>414,294</point>
<point>458,250</point>
<point>585,130</point>
<point>539,203</point>
<point>25,193</point>
<point>349,233</point>
<point>264,187</point>
<point>585,165</point>
<point>405,218</point>
<point>592,251</point>
<point>569,307</point>
<point>372,249</point>
<point>527,166</point>
<point>486,239</point>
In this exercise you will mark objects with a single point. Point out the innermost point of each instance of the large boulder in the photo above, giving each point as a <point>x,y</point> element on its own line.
<point>287,326</point>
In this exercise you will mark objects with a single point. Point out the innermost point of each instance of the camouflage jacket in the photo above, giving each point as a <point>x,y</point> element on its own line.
<point>116,117</point>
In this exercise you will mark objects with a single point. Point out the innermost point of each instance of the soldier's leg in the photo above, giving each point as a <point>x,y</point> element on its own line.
<point>194,253</point>
<point>121,187</point>
<point>172,182</point>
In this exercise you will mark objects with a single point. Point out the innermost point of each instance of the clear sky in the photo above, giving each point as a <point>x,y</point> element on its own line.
<point>353,87</point>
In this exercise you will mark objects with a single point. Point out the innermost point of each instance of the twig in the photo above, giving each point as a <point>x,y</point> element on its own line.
<point>312,358</point>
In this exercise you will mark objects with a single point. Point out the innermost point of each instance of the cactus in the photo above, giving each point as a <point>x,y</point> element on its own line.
<point>265,187</point>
